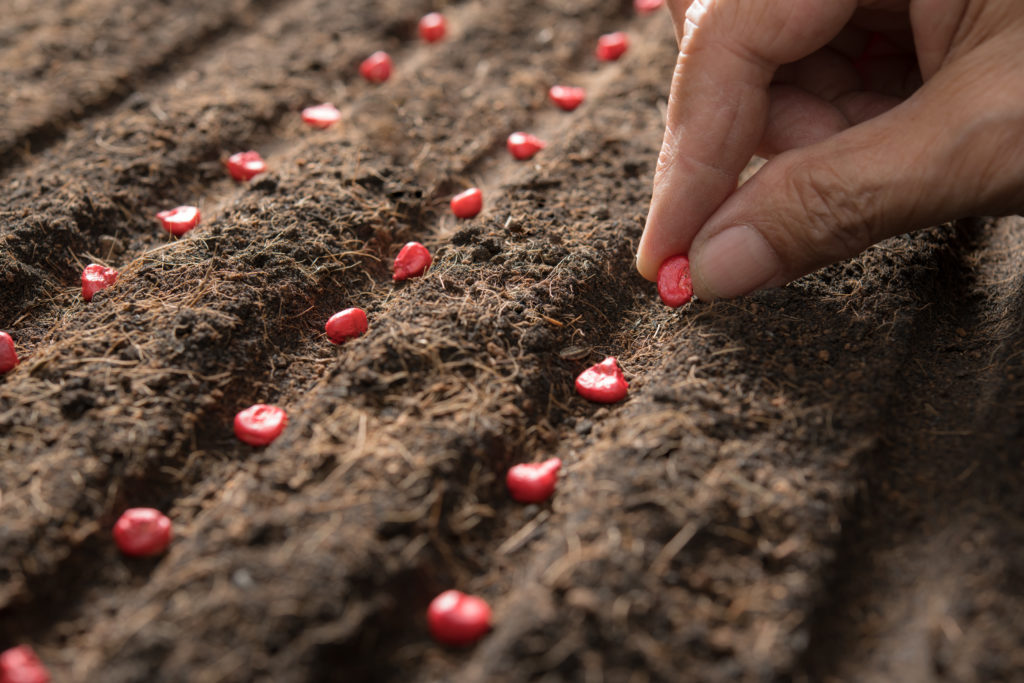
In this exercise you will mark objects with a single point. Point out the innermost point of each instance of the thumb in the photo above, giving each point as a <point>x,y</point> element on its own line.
<point>944,153</point>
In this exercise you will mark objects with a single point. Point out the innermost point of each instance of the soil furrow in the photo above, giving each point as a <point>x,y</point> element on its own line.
<point>164,147</point>
<point>922,590</point>
<point>93,58</point>
<point>167,259</point>
<point>564,279</point>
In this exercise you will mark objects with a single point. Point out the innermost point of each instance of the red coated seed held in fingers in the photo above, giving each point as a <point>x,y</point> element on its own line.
<point>457,619</point>
<point>533,482</point>
<point>567,97</point>
<point>432,27</point>
<point>602,383</point>
<point>180,220</point>
<point>468,204</point>
<point>260,424</point>
<point>245,165</point>
<point>142,532</point>
<point>8,356</point>
<point>377,67</point>
<point>611,46</point>
<point>21,665</point>
<point>412,261</point>
<point>645,6</point>
<point>346,324</point>
<point>321,115</point>
<point>524,145</point>
<point>96,277</point>
<point>674,284</point>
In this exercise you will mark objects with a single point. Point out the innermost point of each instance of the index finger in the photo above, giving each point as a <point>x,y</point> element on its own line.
<point>718,105</point>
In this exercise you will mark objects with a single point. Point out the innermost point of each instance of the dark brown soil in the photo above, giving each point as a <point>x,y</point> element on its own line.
<point>817,483</point>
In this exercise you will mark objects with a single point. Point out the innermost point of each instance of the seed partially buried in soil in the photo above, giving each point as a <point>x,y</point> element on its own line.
<point>260,424</point>
<point>533,482</point>
<point>346,324</point>
<point>321,115</point>
<point>611,46</point>
<point>567,97</point>
<point>603,383</point>
<point>675,286</point>
<point>377,67</point>
<point>468,204</point>
<point>432,27</point>
<point>457,619</point>
<point>21,665</point>
<point>179,220</point>
<point>412,261</point>
<point>142,532</point>
<point>245,165</point>
<point>96,277</point>
<point>524,146</point>
<point>8,355</point>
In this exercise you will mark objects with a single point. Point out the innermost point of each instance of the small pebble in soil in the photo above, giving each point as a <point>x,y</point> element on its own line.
<point>96,277</point>
<point>142,532</point>
<point>645,6</point>
<point>524,145</point>
<point>260,424</point>
<point>321,115</point>
<point>21,665</point>
<point>179,220</point>
<point>245,165</point>
<point>346,324</point>
<point>567,97</point>
<point>533,482</point>
<point>8,356</point>
<point>675,287</point>
<point>377,67</point>
<point>432,27</point>
<point>468,204</point>
<point>412,261</point>
<point>611,46</point>
<point>457,619</point>
<point>602,383</point>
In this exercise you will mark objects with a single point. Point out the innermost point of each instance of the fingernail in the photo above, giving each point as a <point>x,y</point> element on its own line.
<point>733,262</point>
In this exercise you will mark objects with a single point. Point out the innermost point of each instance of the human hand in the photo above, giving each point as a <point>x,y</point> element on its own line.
<point>888,116</point>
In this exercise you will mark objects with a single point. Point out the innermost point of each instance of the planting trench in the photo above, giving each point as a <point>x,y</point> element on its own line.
<point>772,502</point>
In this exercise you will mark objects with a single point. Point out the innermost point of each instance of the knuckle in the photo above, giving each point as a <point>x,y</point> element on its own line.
<point>834,216</point>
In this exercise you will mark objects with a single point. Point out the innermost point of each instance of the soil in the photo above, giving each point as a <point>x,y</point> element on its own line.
<point>816,483</point>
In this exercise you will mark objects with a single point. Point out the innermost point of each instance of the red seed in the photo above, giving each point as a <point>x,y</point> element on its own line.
<point>21,665</point>
<point>468,204</point>
<point>567,97</point>
<point>411,261</point>
<point>533,482</point>
<point>8,356</point>
<point>644,6</point>
<point>458,619</point>
<point>523,145</point>
<point>674,284</point>
<point>245,165</point>
<point>611,46</point>
<point>260,424</point>
<point>180,220</point>
<point>432,27</point>
<point>96,277</point>
<point>141,532</point>
<point>602,383</point>
<point>346,324</point>
<point>377,67</point>
<point>321,115</point>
